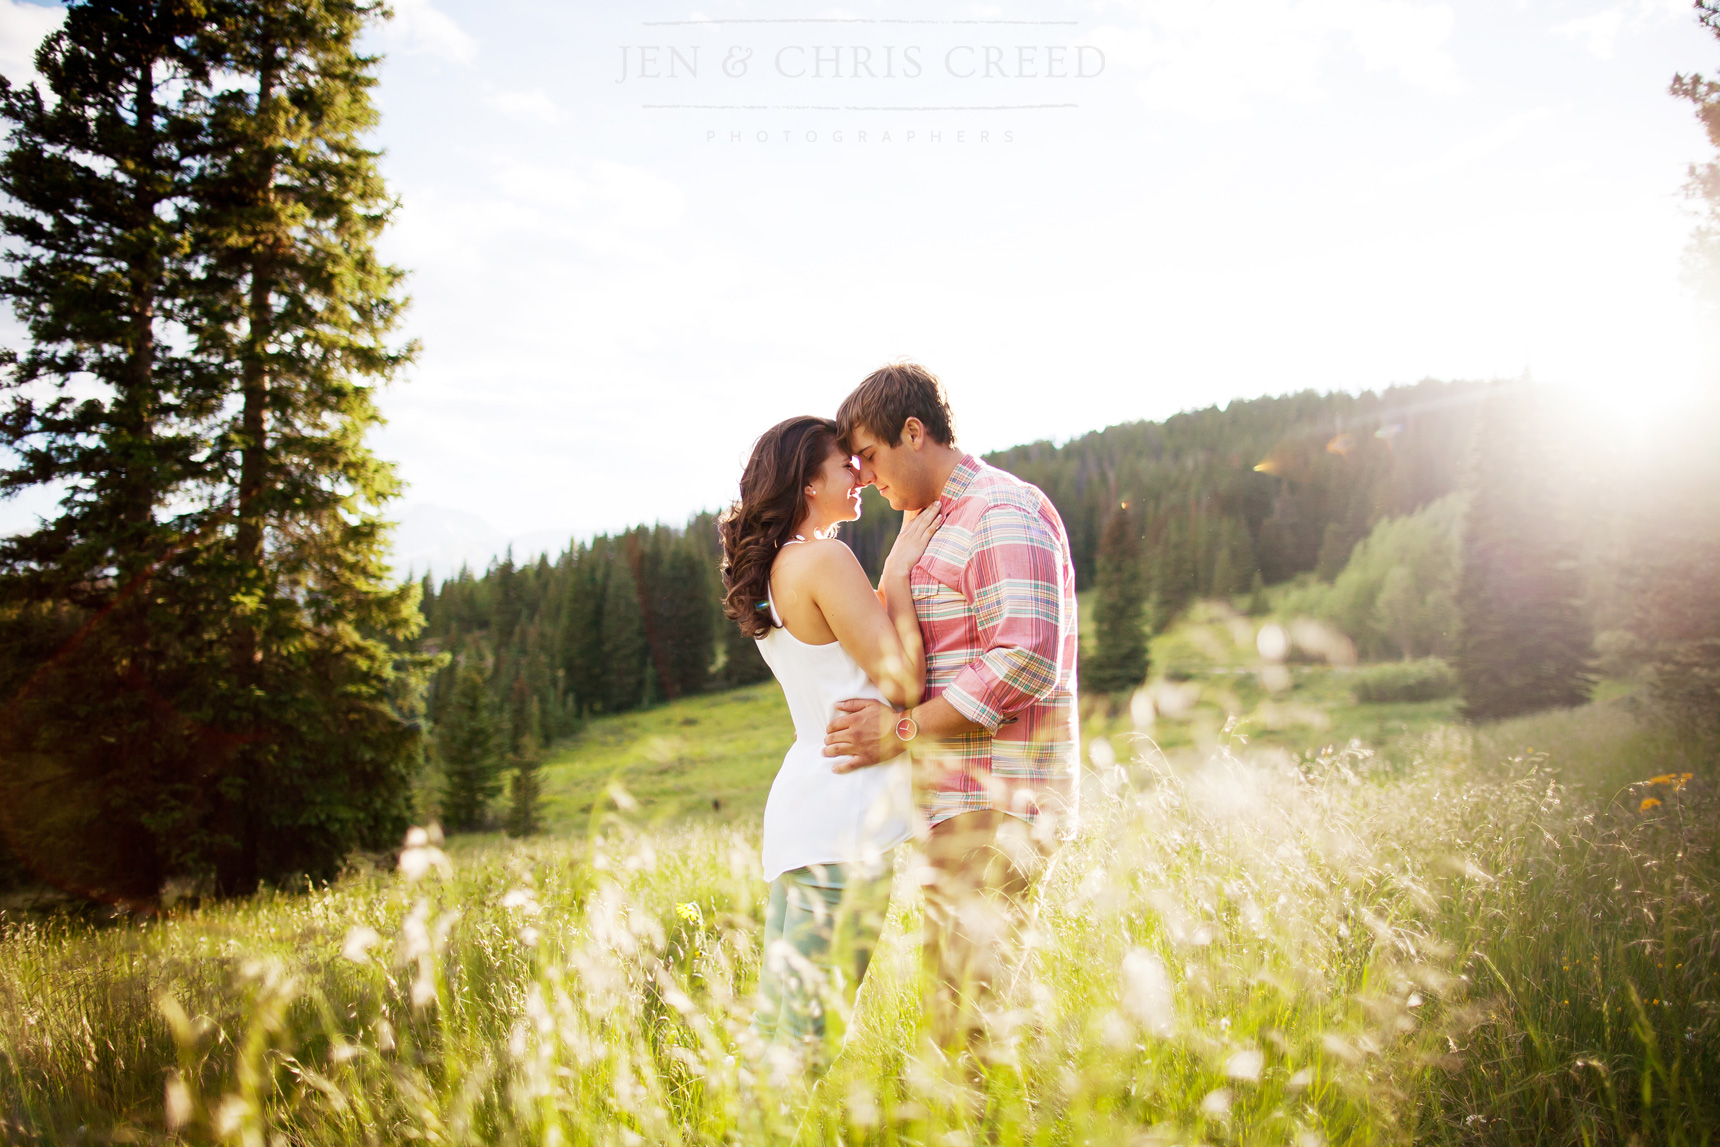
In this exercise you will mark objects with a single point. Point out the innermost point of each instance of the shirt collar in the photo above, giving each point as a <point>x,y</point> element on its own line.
<point>961,478</point>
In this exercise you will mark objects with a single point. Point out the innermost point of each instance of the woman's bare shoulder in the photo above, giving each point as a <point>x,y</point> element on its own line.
<point>816,558</point>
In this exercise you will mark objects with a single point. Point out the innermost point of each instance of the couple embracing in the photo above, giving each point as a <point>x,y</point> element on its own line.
<point>938,707</point>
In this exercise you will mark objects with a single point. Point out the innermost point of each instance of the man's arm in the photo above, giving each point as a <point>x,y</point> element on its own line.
<point>1014,583</point>
<point>864,732</point>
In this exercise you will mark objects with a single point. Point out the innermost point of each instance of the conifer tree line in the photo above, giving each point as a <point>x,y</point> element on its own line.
<point>612,624</point>
<point>201,647</point>
<point>609,625</point>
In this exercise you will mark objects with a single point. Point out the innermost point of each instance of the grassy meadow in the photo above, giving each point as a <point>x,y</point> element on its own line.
<point>1288,918</point>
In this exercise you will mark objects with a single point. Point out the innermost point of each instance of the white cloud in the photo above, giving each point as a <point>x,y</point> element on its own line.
<point>534,106</point>
<point>22,27</point>
<point>602,196</point>
<point>1599,31</point>
<point>1215,60</point>
<point>1397,36</point>
<point>419,27</point>
<point>1468,152</point>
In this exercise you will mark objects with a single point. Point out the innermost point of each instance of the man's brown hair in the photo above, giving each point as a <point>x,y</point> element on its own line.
<point>889,397</point>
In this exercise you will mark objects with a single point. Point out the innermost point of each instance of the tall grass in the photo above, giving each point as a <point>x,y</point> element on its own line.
<point>1240,947</point>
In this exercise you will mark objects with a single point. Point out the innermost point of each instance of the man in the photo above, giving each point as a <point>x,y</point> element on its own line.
<point>995,744</point>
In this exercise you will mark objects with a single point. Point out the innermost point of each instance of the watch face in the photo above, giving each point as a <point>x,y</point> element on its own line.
<point>905,729</point>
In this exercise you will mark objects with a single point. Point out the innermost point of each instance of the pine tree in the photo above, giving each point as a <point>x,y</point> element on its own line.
<point>743,664</point>
<point>682,598</point>
<point>1174,564</point>
<point>580,642</point>
<point>1120,661</point>
<point>1336,544</point>
<point>466,745</point>
<point>300,308</point>
<point>1524,644</point>
<point>204,251</point>
<point>97,217</point>
<point>1233,566</point>
<point>624,652</point>
<point>1258,603</point>
<point>525,788</point>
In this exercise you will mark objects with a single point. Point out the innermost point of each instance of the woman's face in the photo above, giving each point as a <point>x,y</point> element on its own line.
<point>835,493</point>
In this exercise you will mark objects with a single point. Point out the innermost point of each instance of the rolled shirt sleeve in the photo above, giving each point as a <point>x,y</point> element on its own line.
<point>1013,583</point>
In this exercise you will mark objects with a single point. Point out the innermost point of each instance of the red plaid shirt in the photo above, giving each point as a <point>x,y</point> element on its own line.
<point>995,595</point>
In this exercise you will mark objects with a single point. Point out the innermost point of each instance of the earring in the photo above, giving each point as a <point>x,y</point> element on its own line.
<point>811,491</point>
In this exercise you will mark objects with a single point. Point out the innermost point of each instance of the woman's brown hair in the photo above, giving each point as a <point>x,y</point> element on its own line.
<point>785,460</point>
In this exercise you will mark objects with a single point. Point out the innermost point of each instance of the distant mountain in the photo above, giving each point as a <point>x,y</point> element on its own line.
<point>440,540</point>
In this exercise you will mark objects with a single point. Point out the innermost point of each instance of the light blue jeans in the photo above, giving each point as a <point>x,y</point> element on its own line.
<point>820,930</point>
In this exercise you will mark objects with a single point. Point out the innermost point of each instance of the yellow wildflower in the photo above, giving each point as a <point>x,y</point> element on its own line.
<point>1648,803</point>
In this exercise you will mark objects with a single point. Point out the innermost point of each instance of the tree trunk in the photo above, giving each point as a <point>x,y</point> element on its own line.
<point>240,869</point>
<point>136,406</point>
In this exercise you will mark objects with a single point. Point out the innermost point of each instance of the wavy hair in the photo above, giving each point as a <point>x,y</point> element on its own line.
<point>784,460</point>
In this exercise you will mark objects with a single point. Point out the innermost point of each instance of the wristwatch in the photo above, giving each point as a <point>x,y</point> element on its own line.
<point>906,729</point>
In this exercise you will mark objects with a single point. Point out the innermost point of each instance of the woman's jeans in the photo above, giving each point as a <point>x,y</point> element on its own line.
<point>820,930</point>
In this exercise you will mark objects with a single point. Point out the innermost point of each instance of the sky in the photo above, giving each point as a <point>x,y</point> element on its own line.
<point>639,234</point>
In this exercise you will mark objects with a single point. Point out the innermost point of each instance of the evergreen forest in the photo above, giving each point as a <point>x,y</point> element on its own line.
<point>1219,501</point>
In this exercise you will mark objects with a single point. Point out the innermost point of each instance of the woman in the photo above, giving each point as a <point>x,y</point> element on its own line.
<point>828,636</point>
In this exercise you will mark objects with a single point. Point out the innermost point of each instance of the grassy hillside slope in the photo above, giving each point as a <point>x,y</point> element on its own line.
<point>711,757</point>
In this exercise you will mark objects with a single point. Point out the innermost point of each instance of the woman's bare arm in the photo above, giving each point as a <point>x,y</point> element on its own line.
<point>894,587</point>
<point>877,628</point>
<point>827,574</point>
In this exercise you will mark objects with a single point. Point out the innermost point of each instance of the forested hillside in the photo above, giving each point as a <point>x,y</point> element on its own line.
<point>1259,490</point>
<point>1275,485</point>
<point>608,626</point>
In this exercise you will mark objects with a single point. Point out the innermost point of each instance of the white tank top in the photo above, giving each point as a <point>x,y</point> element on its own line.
<point>814,815</point>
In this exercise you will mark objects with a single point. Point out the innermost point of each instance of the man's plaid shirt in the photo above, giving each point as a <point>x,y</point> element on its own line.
<point>995,595</point>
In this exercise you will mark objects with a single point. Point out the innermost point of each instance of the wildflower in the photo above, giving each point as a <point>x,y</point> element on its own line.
<point>179,1108</point>
<point>691,914</point>
<point>421,854</point>
<point>1245,1065</point>
<point>522,899</point>
<point>1147,992</point>
<point>1648,803</point>
<point>359,941</point>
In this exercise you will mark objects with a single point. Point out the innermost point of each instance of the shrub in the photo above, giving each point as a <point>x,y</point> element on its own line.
<point>1426,680</point>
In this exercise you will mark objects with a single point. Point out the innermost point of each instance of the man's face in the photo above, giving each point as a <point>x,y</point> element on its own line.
<point>899,472</point>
